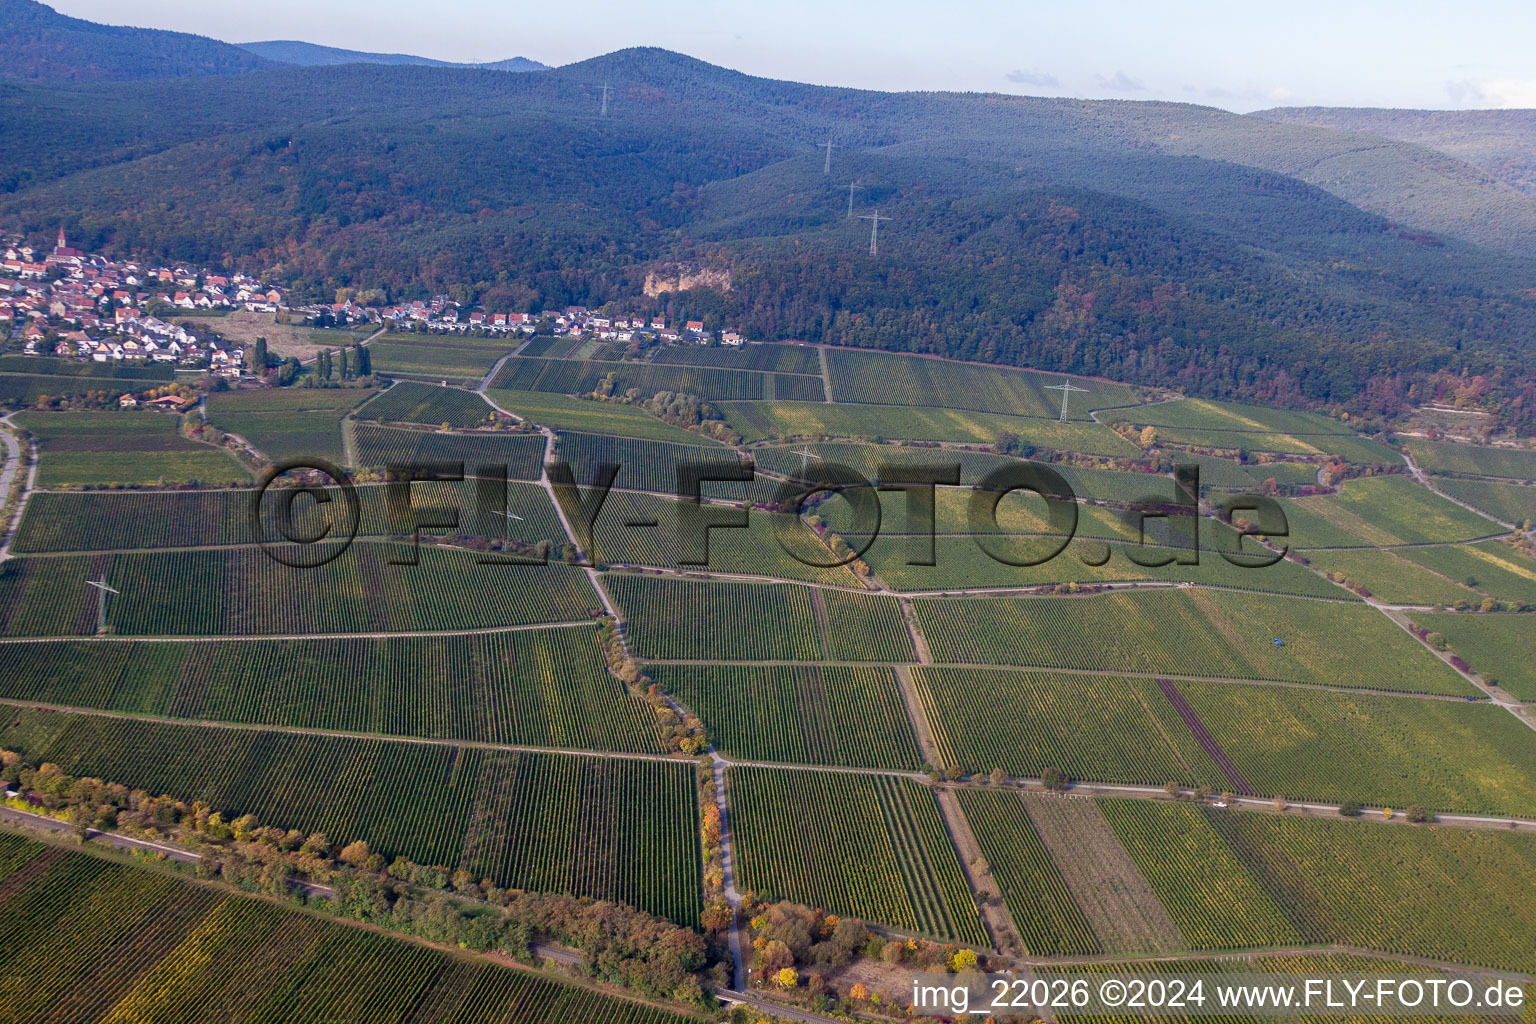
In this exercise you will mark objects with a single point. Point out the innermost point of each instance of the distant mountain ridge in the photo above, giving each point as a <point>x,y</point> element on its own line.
<point>1501,143</point>
<point>298,52</point>
<point>38,44</point>
<point>1160,243</point>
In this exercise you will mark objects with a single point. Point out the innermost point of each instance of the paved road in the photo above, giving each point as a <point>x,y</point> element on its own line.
<point>122,842</point>
<point>13,460</point>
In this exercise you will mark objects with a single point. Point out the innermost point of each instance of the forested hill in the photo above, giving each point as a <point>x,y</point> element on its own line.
<point>38,44</point>
<point>1149,242</point>
<point>1501,143</point>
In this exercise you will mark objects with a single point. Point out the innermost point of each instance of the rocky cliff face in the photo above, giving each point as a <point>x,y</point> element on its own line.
<point>682,279</point>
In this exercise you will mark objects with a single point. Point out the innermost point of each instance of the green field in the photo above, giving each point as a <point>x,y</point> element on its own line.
<point>432,404</point>
<point>521,452</point>
<point>759,421</point>
<point>94,449</point>
<point>1472,459</point>
<point>1098,728</point>
<point>676,619</point>
<point>1241,878</point>
<point>619,829</point>
<point>1388,510</point>
<point>242,591</point>
<point>290,423</point>
<point>1188,632</point>
<point>1512,503</point>
<point>127,520</point>
<point>84,939</point>
<point>879,378</point>
<point>867,846</point>
<point>1038,899</point>
<point>562,412</point>
<point>1493,567</point>
<point>1391,577</point>
<point>1498,647</point>
<point>799,715</point>
<point>542,688</point>
<point>1378,750</point>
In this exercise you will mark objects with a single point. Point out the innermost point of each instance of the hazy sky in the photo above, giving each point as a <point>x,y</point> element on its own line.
<point>1243,56</point>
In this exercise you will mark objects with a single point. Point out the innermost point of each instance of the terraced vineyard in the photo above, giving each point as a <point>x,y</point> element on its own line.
<point>1208,890</point>
<point>83,449</point>
<point>574,377</point>
<point>1095,728</point>
<point>758,421</point>
<point>772,358</point>
<point>458,359</point>
<point>1038,899</point>
<point>1391,577</point>
<point>1189,632</point>
<point>58,521</point>
<point>617,829</point>
<point>1381,751</point>
<point>868,846</point>
<point>1498,647</point>
<point>676,619</point>
<point>757,549</point>
<point>1493,567</point>
<point>242,591</point>
<point>1459,895</point>
<point>799,715</point>
<point>84,940</point>
<point>861,376</point>
<point>1243,878</point>
<point>288,423</point>
<point>1389,510</point>
<point>643,465</point>
<point>865,627</point>
<point>1512,503</point>
<point>1473,460</point>
<point>434,405</point>
<point>380,447</point>
<point>963,563</point>
<point>543,688</point>
<point>562,412</point>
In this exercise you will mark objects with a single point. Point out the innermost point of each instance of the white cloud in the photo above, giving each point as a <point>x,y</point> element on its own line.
<point>1039,79</point>
<point>1501,93</point>
<point>1119,82</point>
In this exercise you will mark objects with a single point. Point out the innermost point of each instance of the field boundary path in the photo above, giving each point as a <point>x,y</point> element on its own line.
<point>826,373</point>
<point>994,914</point>
<point>13,461</point>
<point>728,869</point>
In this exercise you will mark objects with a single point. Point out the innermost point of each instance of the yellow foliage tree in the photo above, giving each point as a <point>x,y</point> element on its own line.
<point>786,977</point>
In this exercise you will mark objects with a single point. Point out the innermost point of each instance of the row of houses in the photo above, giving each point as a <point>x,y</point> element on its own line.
<point>74,304</point>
